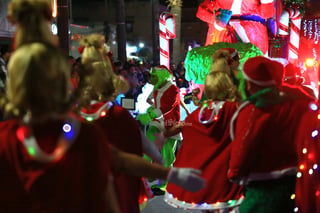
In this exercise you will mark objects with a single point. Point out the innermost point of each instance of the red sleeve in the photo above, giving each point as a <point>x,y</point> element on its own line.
<point>248,128</point>
<point>267,9</point>
<point>170,99</point>
<point>205,11</point>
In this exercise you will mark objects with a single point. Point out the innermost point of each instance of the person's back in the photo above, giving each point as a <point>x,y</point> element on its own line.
<point>206,145</point>
<point>34,179</point>
<point>264,153</point>
<point>273,129</point>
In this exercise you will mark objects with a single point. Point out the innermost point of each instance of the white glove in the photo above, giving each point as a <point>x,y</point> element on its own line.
<point>187,178</point>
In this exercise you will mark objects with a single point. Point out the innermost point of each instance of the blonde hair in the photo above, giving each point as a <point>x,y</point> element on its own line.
<point>38,81</point>
<point>218,86</point>
<point>32,18</point>
<point>220,62</point>
<point>102,84</point>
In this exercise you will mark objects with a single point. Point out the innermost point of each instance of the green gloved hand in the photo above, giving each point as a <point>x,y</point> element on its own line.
<point>144,118</point>
<point>147,117</point>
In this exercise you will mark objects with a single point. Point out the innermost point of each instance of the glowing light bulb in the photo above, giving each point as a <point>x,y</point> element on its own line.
<point>215,118</point>
<point>299,174</point>
<point>293,196</point>
<point>301,167</point>
<point>313,106</point>
<point>310,171</point>
<point>103,113</point>
<point>304,150</point>
<point>89,119</point>
<point>317,193</point>
<point>318,116</point>
<point>309,62</point>
<point>31,151</point>
<point>315,166</point>
<point>314,133</point>
<point>66,128</point>
<point>296,209</point>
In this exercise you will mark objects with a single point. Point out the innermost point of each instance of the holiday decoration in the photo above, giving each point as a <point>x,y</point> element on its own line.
<point>199,59</point>
<point>295,16</point>
<point>167,31</point>
<point>245,19</point>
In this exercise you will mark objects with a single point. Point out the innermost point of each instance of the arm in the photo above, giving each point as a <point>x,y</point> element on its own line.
<point>150,149</point>
<point>187,178</point>
<point>111,198</point>
<point>184,106</point>
<point>267,9</point>
<point>169,100</point>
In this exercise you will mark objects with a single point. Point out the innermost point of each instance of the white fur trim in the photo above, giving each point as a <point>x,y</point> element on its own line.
<point>266,1</point>
<point>218,27</point>
<point>234,117</point>
<point>216,106</point>
<point>96,115</point>
<point>236,7</point>
<point>260,83</point>
<point>169,199</point>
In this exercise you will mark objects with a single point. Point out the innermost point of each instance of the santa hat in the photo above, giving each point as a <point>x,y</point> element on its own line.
<point>292,74</point>
<point>233,53</point>
<point>263,71</point>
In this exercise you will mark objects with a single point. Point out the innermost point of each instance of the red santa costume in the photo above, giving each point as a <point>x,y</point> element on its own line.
<point>248,20</point>
<point>43,173</point>
<point>123,132</point>
<point>206,146</point>
<point>166,107</point>
<point>263,155</point>
<point>308,176</point>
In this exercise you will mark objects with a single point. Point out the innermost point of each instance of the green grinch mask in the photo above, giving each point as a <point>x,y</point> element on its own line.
<point>159,76</point>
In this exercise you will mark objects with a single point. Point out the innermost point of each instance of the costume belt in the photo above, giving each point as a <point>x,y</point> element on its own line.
<point>249,18</point>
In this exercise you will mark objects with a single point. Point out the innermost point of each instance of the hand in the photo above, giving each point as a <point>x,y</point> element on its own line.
<point>144,118</point>
<point>222,16</point>
<point>187,178</point>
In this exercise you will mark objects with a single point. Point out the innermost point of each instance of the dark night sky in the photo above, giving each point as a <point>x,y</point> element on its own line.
<point>186,3</point>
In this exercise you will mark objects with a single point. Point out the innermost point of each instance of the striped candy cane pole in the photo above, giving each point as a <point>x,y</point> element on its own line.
<point>295,17</point>
<point>167,30</point>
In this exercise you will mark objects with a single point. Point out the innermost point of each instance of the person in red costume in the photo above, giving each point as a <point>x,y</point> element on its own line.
<point>122,130</point>
<point>264,156</point>
<point>50,162</point>
<point>163,114</point>
<point>308,177</point>
<point>206,145</point>
<point>245,18</point>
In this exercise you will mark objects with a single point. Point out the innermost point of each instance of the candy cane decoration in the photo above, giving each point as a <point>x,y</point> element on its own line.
<point>295,17</point>
<point>167,28</point>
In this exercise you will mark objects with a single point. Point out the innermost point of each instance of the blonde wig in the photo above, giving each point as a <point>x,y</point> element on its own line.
<point>218,86</point>
<point>102,84</point>
<point>221,62</point>
<point>38,81</point>
<point>32,18</point>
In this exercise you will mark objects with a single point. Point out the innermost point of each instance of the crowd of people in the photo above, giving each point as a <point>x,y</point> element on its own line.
<point>67,146</point>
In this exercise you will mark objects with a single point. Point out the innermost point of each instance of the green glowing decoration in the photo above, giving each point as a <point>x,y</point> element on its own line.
<point>199,59</point>
<point>31,151</point>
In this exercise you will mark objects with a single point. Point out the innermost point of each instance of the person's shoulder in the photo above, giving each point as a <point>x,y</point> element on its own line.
<point>7,125</point>
<point>120,113</point>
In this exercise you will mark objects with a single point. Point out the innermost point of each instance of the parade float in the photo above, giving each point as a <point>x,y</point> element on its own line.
<point>292,30</point>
